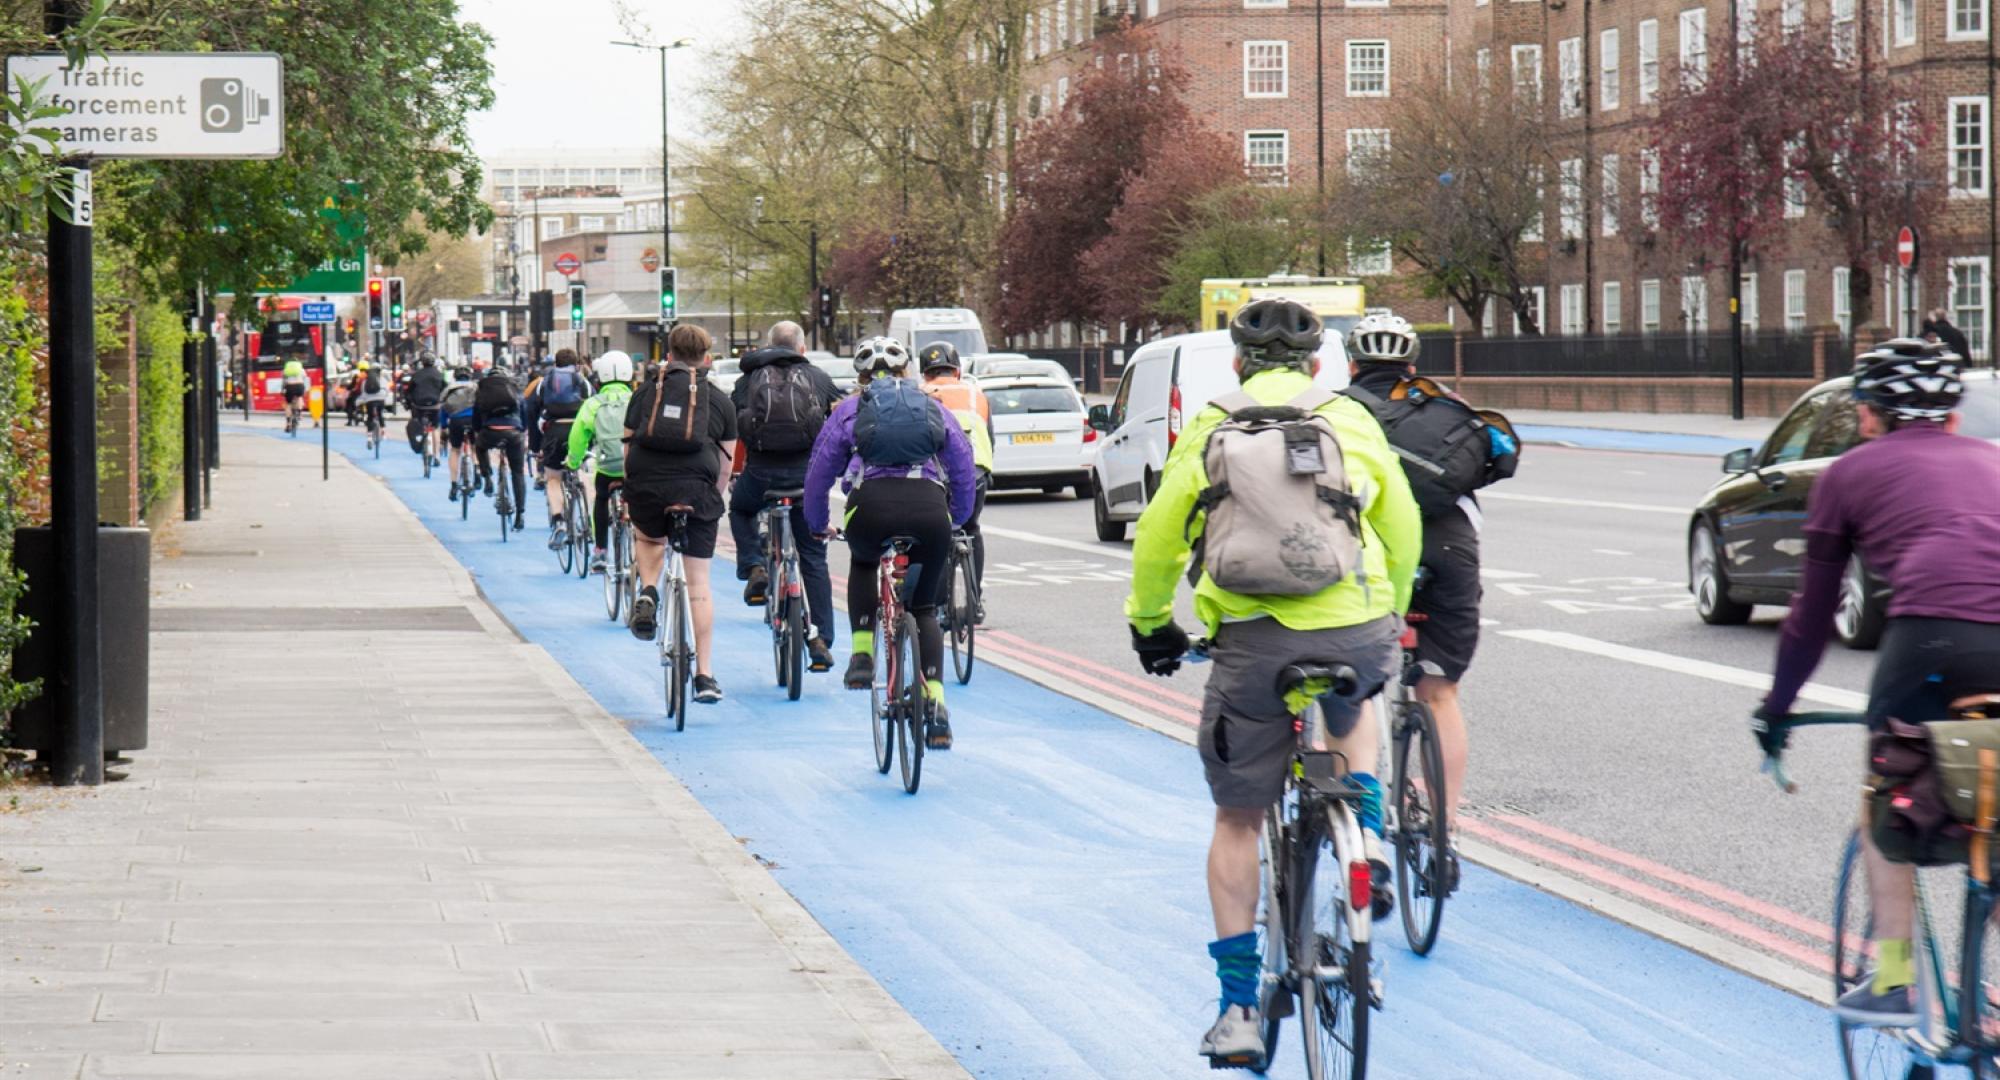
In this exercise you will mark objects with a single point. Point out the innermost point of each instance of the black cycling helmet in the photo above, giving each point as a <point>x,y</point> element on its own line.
<point>1909,379</point>
<point>939,356</point>
<point>1275,332</point>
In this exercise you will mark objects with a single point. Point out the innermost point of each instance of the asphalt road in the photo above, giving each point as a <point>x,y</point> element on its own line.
<point>1608,722</point>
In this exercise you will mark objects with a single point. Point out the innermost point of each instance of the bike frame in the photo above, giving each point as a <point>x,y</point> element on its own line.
<point>781,561</point>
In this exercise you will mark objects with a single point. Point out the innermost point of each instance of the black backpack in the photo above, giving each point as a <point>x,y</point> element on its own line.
<point>897,424</point>
<point>669,414</point>
<point>373,383</point>
<point>1449,449</point>
<point>784,411</point>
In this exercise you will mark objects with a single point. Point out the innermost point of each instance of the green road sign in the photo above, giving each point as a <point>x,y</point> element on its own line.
<point>342,273</point>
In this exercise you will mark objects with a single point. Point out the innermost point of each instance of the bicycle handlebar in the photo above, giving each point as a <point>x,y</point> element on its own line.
<point>1774,764</point>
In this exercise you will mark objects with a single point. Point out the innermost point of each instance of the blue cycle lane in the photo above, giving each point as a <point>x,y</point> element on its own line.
<point>1040,905</point>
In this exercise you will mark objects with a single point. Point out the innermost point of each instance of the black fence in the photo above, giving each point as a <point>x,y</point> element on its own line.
<point>1765,355</point>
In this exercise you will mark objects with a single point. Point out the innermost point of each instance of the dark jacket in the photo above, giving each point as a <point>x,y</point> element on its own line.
<point>740,394</point>
<point>1951,336</point>
<point>498,404</point>
<point>426,386</point>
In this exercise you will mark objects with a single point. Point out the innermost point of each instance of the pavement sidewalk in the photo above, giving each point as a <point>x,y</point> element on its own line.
<point>1748,431</point>
<point>377,834</point>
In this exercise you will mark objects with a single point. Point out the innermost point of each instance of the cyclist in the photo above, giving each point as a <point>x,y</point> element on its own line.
<point>554,401</point>
<point>968,405</point>
<point>373,396</point>
<point>296,383</point>
<point>427,385</point>
<point>915,478</point>
<point>1246,736</point>
<point>497,420</point>
<point>1921,506</point>
<point>455,408</point>
<point>782,401</point>
<point>680,432</point>
<point>599,430</point>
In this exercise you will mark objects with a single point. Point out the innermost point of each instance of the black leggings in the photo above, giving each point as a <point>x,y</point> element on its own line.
<point>600,507</point>
<point>972,530</point>
<point>514,447</point>
<point>889,507</point>
<point>1925,664</point>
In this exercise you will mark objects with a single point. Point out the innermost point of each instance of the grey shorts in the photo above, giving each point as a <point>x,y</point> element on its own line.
<point>1246,731</point>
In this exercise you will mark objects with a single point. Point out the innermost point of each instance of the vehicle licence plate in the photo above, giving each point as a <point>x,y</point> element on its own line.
<point>1034,437</point>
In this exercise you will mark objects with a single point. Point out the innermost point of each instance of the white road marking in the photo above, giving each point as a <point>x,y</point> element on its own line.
<point>1683,665</point>
<point>1595,504</point>
<point>1610,551</point>
<point>1111,551</point>
<point>1491,574</point>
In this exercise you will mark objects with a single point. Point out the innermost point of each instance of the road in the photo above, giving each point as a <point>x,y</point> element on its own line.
<point>1039,906</point>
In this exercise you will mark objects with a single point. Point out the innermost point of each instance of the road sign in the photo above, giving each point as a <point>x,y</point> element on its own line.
<point>162,105</point>
<point>1908,248</point>
<point>650,261</point>
<point>567,264</point>
<point>316,312</point>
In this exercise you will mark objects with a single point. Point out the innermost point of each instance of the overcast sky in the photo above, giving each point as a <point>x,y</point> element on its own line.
<point>560,83</point>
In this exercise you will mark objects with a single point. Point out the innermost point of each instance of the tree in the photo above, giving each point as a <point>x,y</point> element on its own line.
<point>449,267</point>
<point>1457,192</point>
<point>1826,131</point>
<point>1129,268</point>
<point>1243,230</point>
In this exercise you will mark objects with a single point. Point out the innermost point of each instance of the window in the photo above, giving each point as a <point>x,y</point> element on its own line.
<point>1532,232</point>
<point>1694,304</point>
<point>1614,298</point>
<point>1367,69</point>
<point>1968,146</point>
<point>592,223</point>
<point>1794,193</point>
<point>1265,64</point>
<point>1607,70</point>
<point>1528,73</point>
<point>1788,441</point>
<point>1569,77</point>
<point>1370,261</point>
<point>1746,25</point>
<point>1968,21</point>
<point>1062,93</point>
<point>1264,3</point>
<point>1649,307</point>
<point>1968,302</point>
<point>1486,316</point>
<point>1843,305</point>
<point>1608,205</point>
<point>1845,31</point>
<point>1694,47</point>
<point>551,227</point>
<point>1062,24</point>
<point>1792,16</point>
<point>1571,300</point>
<point>1570,198</point>
<point>1795,301</point>
<point>1649,61</point>
<point>1649,188</point>
<point>1746,287</point>
<point>1042,33</point>
<point>1268,153</point>
<point>1905,21</point>
<point>1482,61</point>
<point>1366,147</point>
<point>1538,306</point>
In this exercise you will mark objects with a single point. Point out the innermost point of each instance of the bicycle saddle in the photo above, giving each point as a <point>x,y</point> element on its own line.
<point>901,545</point>
<point>780,494</point>
<point>1346,681</point>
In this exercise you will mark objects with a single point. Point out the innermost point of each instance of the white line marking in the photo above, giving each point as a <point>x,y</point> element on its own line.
<point>1113,551</point>
<point>1595,504</point>
<point>1491,574</point>
<point>1610,551</point>
<point>1682,665</point>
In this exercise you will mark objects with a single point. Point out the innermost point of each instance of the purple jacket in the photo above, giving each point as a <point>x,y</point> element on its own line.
<point>835,448</point>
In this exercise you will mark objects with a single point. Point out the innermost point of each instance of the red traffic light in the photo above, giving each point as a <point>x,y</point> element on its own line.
<point>374,286</point>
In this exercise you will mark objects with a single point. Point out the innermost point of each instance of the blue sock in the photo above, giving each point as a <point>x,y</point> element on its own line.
<point>1370,811</point>
<point>1236,963</point>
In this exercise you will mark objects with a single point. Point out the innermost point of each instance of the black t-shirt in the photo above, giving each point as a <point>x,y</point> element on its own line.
<point>643,465</point>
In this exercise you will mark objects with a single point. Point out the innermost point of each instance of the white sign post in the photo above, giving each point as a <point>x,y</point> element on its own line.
<point>162,105</point>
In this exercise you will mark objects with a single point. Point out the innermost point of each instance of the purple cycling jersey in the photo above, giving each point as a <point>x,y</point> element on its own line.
<point>1923,509</point>
<point>834,450</point>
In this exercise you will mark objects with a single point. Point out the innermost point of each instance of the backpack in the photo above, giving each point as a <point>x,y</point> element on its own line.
<point>1934,790</point>
<point>896,423</point>
<point>561,392</point>
<point>1281,518</point>
<point>1448,449</point>
<point>609,440</point>
<point>784,411</point>
<point>373,383</point>
<point>674,420</point>
<point>414,431</point>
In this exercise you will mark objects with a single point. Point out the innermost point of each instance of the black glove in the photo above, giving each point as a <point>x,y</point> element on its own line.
<point>1772,735</point>
<point>1160,652</point>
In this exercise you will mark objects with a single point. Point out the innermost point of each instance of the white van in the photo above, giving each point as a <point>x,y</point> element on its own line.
<point>918,327</point>
<point>1166,382</point>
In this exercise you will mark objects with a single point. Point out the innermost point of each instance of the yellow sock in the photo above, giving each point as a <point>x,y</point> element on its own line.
<point>934,689</point>
<point>1893,969</point>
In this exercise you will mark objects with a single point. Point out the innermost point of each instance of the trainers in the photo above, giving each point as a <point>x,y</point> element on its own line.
<point>937,730</point>
<point>1237,1039</point>
<point>558,535</point>
<point>979,614</point>
<point>1863,1006</point>
<point>1383,900</point>
<point>598,562</point>
<point>454,493</point>
<point>1439,880</point>
<point>707,690</point>
<point>860,671</point>
<point>760,583</point>
<point>541,485</point>
<point>819,657</point>
<point>520,521</point>
<point>643,607</point>
<point>489,485</point>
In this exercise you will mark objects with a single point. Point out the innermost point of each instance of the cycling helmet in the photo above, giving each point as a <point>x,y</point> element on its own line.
<point>1275,332</point>
<point>939,356</point>
<point>881,356</point>
<point>613,366</point>
<point>1909,379</point>
<point>1383,339</point>
<point>461,373</point>
<point>362,366</point>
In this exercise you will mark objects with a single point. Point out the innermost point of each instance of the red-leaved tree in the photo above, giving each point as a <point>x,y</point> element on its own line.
<point>1128,269</point>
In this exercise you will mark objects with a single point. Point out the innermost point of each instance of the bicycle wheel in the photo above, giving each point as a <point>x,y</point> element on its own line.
<point>1423,845</point>
<point>881,706</point>
<point>1869,1053</point>
<point>961,600</point>
<point>910,709</point>
<point>578,513</point>
<point>1333,1008</point>
<point>614,569</point>
<point>1979,996</point>
<point>501,507</point>
<point>1274,984</point>
<point>559,540</point>
<point>792,671</point>
<point>677,653</point>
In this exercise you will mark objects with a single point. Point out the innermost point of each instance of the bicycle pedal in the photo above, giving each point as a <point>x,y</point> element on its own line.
<point>1252,1062</point>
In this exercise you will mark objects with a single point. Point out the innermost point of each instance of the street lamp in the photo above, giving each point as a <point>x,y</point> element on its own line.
<point>666,176</point>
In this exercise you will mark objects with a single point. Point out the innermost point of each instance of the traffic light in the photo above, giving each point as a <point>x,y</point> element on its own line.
<point>374,303</point>
<point>541,311</point>
<point>395,303</point>
<point>826,305</point>
<point>669,300</point>
<point>575,306</point>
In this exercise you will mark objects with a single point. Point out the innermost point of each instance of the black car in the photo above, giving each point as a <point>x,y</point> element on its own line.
<point>1747,538</point>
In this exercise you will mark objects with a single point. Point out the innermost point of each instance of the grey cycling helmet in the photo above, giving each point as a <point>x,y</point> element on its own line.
<point>881,356</point>
<point>1909,379</point>
<point>1383,338</point>
<point>1275,332</point>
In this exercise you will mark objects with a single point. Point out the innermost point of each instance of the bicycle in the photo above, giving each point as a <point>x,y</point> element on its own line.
<point>575,524</point>
<point>1315,896</point>
<point>375,429</point>
<point>618,557</point>
<point>292,417</point>
<point>427,428</point>
<point>959,612</point>
<point>784,593</point>
<point>1958,1017</point>
<point>1414,818</point>
<point>468,477</point>
<point>899,709</point>
<point>503,496</point>
<point>673,626</point>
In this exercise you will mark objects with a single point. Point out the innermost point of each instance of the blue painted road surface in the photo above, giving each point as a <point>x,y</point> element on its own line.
<point>1645,442</point>
<point>1040,906</point>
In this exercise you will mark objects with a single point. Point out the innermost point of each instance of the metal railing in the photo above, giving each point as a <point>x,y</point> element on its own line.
<point>1767,354</point>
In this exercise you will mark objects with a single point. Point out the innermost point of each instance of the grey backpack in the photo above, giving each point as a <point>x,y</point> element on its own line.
<point>1281,518</point>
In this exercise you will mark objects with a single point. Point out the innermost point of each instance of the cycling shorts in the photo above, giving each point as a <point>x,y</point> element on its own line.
<point>1449,601</point>
<point>294,392</point>
<point>555,444</point>
<point>647,504</point>
<point>1924,664</point>
<point>459,433</point>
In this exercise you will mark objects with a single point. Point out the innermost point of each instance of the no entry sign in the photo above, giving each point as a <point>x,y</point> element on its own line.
<point>1907,247</point>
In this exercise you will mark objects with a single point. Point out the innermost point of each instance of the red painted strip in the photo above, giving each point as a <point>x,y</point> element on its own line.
<point>1148,703</point>
<point>1152,688</point>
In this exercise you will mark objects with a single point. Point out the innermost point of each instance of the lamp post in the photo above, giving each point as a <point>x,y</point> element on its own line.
<point>812,247</point>
<point>666,175</point>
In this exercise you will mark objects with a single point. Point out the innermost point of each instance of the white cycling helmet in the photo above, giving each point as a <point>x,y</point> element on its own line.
<point>613,366</point>
<point>880,356</point>
<point>1383,339</point>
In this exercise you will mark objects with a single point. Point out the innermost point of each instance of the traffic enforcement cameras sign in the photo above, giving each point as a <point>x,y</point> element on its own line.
<point>161,105</point>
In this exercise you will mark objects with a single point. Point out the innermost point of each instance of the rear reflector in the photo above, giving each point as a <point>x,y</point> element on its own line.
<point>1358,886</point>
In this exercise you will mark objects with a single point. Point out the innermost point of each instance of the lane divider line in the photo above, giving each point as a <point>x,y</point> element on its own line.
<point>1154,689</point>
<point>1593,504</point>
<point>1684,665</point>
